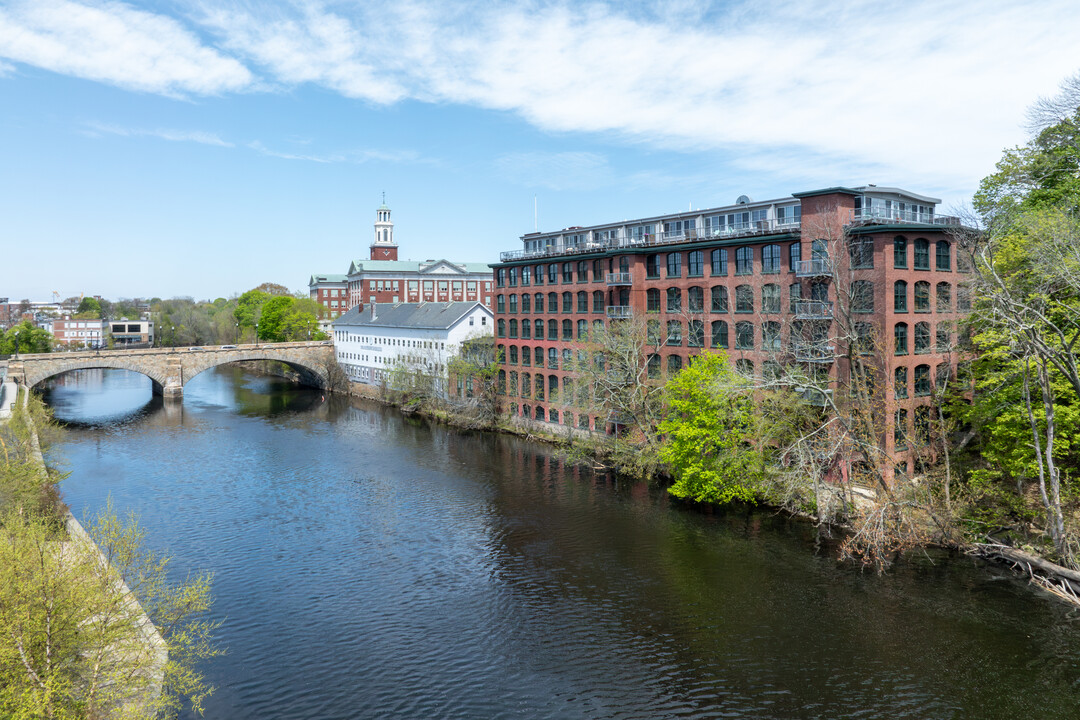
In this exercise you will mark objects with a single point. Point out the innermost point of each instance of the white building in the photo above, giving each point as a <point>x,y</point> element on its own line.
<point>371,342</point>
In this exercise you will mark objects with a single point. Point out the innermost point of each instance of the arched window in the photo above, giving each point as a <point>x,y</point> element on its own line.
<point>501,326</point>
<point>513,304</point>
<point>526,303</point>
<point>900,388</point>
<point>553,302</point>
<point>922,297</point>
<point>900,336</point>
<point>770,335</point>
<point>719,334</point>
<point>553,388</point>
<point>500,303</point>
<point>719,299</point>
<point>582,329</point>
<point>744,299</point>
<point>900,296</point>
<point>944,297</point>
<point>864,337</point>
<point>770,298</point>
<point>539,386</point>
<point>539,298</point>
<point>943,338</point>
<point>526,355</point>
<point>674,264</point>
<point>794,296</point>
<point>922,254</point>
<point>514,327</point>
<point>653,365</point>
<point>718,261</point>
<point>526,327</point>
<point>538,329</point>
<point>695,263</point>
<point>696,333</point>
<point>922,338</point>
<point>745,367</point>
<point>900,429</point>
<point>674,332</point>
<point>695,298</point>
<point>526,385</point>
<point>744,261</point>
<point>652,300</point>
<point>502,382</point>
<point>899,252</point>
<point>944,256</point>
<point>770,259</point>
<point>862,296</point>
<point>744,335</point>
<point>652,266</point>
<point>553,415</point>
<point>674,300</point>
<point>567,302</point>
<point>553,330</point>
<point>567,329</point>
<point>513,389</point>
<point>582,301</point>
<point>652,331</point>
<point>794,256</point>
<point>513,355</point>
<point>674,364</point>
<point>539,412</point>
<point>598,301</point>
<point>922,380</point>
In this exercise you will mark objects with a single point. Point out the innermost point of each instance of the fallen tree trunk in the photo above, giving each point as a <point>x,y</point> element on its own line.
<point>1067,577</point>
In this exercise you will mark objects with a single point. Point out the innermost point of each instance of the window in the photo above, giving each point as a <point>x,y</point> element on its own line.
<point>794,296</point>
<point>513,277</point>
<point>567,302</point>
<point>501,327</point>
<point>539,302</point>
<point>922,380</point>
<point>513,304</point>
<point>500,277</point>
<point>567,329</point>
<point>744,261</point>
<point>900,389</point>
<point>963,298</point>
<point>597,300</point>
<point>943,256</point>
<point>719,299</point>
<point>899,252</point>
<point>696,333</point>
<point>652,300</point>
<point>674,265</point>
<point>943,338</point>
<point>582,329</point>
<point>718,261</point>
<point>583,271</point>
<point>770,298</point>
<point>944,297</point>
<point>922,297</point>
<point>674,332</point>
<point>695,297</point>
<point>539,329</point>
<point>553,360</point>
<point>864,338</point>
<point>900,429</point>
<point>695,265</point>
<point>719,334</point>
<point>744,299</point>
<point>794,256</point>
<point>900,336</point>
<point>526,355</point>
<point>770,259</point>
<point>514,327</point>
<point>553,273</point>
<point>942,375</point>
<point>526,275</point>
<point>770,335</point>
<point>583,302</point>
<point>553,302</point>
<point>652,266</point>
<point>862,296</point>
<point>862,252</point>
<point>598,269</point>
<point>899,291</point>
<point>674,364</point>
<point>652,331</point>
<point>653,365</point>
<point>745,367</point>
<point>922,254</point>
<point>922,338</point>
<point>526,385</point>
<point>513,359</point>
<point>674,300</point>
<point>553,330</point>
<point>568,272</point>
<point>744,336</point>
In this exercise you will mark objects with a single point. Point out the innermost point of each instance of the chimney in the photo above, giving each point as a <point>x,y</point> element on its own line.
<point>373,313</point>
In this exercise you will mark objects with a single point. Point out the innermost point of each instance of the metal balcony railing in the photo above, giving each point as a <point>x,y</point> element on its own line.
<point>619,311</point>
<point>618,278</point>
<point>813,268</point>
<point>817,352</point>
<point>813,310</point>
<point>866,216</point>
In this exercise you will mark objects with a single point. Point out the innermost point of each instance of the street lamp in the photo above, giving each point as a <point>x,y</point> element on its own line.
<point>256,334</point>
<point>237,334</point>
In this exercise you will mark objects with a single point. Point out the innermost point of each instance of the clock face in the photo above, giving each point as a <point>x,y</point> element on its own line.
<point>386,253</point>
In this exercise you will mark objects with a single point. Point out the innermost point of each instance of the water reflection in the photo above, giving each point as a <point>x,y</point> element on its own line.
<point>370,567</point>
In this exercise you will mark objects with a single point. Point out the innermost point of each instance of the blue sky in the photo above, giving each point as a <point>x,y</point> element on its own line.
<point>200,148</point>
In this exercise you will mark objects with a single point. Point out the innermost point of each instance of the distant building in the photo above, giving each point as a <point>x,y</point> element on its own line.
<point>371,342</point>
<point>383,278</point>
<point>132,332</point>
<point>80,333</point>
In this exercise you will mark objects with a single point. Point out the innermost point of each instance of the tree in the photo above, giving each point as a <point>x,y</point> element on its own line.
<point>89,308</point>
<point>25,338</point>
<point>273,289</point>
<point>709,441</point>
<point>477,365</point>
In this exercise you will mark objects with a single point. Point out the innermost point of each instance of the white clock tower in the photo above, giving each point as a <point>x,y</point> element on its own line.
<point>384,247</point>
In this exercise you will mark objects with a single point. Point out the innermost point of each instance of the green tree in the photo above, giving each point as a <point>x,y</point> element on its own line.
<point>89,308</point>
<point>273,325</point>
<point>25,338</point>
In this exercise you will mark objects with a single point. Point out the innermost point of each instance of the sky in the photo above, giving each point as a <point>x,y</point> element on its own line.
<point>200,148</point>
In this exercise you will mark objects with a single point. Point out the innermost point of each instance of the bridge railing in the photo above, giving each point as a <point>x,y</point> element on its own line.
<point>170,350</point>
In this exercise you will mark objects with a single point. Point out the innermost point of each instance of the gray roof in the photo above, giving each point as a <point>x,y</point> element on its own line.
<point>327,278</point>
<point>414,266</point>
<point>420,316</point>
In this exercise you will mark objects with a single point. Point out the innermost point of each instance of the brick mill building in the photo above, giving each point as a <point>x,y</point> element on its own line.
<point>766,281</point>
<point>383,278</point>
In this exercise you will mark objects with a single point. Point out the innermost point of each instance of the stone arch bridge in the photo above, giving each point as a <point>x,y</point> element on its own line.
<point>171,368</point>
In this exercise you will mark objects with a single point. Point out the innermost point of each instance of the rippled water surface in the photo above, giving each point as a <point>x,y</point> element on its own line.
<point>369,566</point>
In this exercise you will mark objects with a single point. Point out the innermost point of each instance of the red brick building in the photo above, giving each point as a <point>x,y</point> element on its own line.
<point>796,279</point>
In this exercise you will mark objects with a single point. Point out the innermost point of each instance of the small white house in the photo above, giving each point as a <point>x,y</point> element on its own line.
<point>371,342</point>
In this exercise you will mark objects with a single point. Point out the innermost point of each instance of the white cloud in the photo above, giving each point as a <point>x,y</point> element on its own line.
<point>6,69</point>
<point>556,171</point>
<point>195,136</point>
<point>115,43</point>
<point>352,156</point>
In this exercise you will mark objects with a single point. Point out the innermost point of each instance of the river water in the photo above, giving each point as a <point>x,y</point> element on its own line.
<point>371,566</point>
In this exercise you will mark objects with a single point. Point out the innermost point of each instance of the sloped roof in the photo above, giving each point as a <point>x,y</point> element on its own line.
<point>327,278</point>
<point>420,316</point>
<point>414,266</point>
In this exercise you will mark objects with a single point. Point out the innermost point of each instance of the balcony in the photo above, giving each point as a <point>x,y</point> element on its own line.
<point>820,267</point>
<point>619,312</point>
<point>619,278</point>
<point>815,397</point>
<point>814,352</point>
<point>813,310</point>
<point>880,216</point>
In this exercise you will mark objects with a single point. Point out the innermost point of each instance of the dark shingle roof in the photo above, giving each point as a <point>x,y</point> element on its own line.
<point>425,316</point>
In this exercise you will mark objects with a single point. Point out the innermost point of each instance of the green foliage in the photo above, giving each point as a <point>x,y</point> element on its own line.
<point>708,433</point>
<point>89,308</point>
<point>26,339</point>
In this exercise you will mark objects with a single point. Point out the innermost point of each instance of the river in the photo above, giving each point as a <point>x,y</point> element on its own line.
<point>367,565</point>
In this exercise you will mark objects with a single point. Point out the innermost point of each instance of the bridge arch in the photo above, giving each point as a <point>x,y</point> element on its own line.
<point>310,373</point>
<point>37,374</point>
